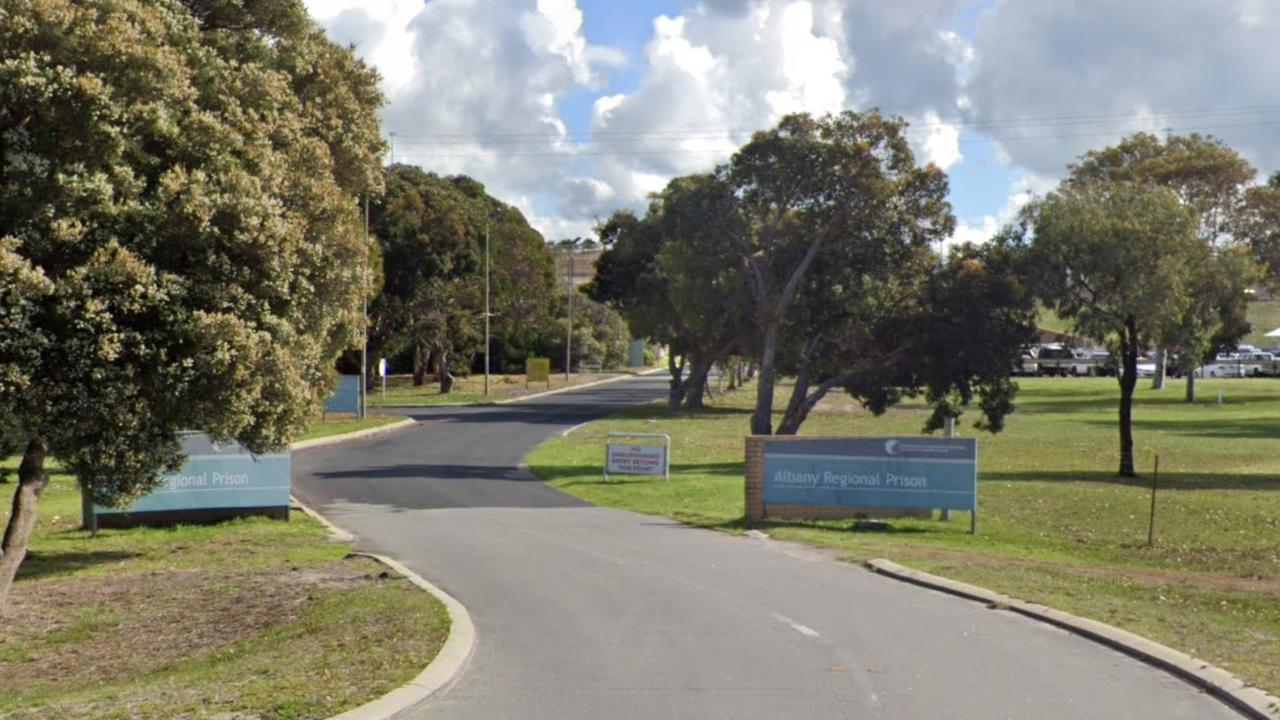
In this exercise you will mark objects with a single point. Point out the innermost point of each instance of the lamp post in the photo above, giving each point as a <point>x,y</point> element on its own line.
<point>364,313</point>
<point>493,215</point>
<point>568,340</point>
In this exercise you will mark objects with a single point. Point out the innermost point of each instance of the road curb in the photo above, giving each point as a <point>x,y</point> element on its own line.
<point>1250,701</point>
<point>335,439</point>
<point>443,670</point>
<point>571,388</point>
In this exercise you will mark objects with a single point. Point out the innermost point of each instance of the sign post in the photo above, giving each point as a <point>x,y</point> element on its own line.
<point>382,373</point>
<point>537,369</point>
<point>638,458</point>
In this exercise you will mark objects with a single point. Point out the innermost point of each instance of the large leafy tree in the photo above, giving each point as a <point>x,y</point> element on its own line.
<point>180,242</point>
<point>1120,260</point>
<point>432,231</point>
<point>837,221</point>
<point>674,276</point>
<point>1210,179</point>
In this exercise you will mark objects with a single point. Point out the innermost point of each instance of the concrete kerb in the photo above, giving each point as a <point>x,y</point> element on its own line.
<point>335,439</point>
<point>571,388</point>
<point>1250,701</point>
<point>443,670</point>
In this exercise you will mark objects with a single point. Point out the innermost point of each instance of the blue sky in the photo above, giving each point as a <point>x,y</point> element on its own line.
<point>482,72</point>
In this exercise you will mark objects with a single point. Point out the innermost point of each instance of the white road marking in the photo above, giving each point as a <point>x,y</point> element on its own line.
<point>802,629</point>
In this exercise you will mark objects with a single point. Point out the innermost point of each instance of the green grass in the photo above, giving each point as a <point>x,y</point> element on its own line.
<point>1055,523</point>
<point>248,618</point>
<point>1263,316</point>
<point>470,389</point>
<point>343,424</point>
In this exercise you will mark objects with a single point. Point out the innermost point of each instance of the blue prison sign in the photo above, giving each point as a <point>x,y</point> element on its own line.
<point>895,472</point>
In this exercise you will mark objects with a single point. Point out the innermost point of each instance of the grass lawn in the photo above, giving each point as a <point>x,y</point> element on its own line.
<point>470,389</point>
<point>1056,525</point>
<point>1263,316</point>
<point>343,424</point>
<point>244,619</point>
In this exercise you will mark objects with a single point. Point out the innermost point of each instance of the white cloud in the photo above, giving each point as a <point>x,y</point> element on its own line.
<point>378,29</point>
<point>1107,69</point>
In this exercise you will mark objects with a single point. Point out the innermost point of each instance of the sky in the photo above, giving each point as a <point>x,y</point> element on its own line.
<point>571,109</point>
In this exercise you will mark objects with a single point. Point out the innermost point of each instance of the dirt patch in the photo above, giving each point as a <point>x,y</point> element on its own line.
<point>113,627</point>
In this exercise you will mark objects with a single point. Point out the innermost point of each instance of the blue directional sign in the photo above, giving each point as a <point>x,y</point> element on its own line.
<point>217,476</point>
<point>346,398</point>
<point>894,472</point>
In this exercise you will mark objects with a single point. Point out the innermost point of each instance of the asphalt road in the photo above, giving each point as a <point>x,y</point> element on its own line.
<point>589,613</point>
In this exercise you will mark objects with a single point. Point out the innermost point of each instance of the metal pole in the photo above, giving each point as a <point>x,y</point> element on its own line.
<point>486,307</point>
<point>364,312</point>
<point>1151,524</point>
<point>950,432</point>
<point>568,339</point>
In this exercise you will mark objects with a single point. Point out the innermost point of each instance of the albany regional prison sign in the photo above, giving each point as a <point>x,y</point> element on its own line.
<point>218,480</point>
<point>862,474</point>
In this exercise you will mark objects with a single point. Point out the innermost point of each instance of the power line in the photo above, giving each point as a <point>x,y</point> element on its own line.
<point>718,133</point>
<point>571,154</point>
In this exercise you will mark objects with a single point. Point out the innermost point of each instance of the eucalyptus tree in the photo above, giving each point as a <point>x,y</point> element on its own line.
<point>837,222</point>
<point>180,242</point>
<point>1211,179</point>
<point>674,277</point>
<point>1120,259</point>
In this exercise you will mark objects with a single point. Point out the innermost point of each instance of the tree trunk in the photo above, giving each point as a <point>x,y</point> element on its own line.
<point>1191,384</point>
<point>445,378</point>
<point>733,369</point>
<point>696,385</point>
<point>1162,359</point>
<point>32,480</point>
<point>1128,381</point>
<point>678,386</point>
<point>762,418</point>
<point>419,365</point>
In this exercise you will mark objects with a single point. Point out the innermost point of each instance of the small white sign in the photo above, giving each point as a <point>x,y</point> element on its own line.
<point>382,367</point>
<point>637,459</point>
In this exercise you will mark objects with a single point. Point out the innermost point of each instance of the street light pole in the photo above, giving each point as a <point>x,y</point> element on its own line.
<point>364,312</point>
<point>493,215</point>
<point>487,222</point>
<point>568,340</point>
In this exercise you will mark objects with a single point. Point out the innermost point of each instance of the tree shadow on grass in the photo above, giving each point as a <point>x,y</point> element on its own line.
<point>40,564</point>
<point>1167,481</point>
<point>1235,428</point>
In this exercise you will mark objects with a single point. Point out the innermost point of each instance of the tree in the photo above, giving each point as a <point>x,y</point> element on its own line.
<point>1210,178</point>
<point>1120,260</point>
<point>1258,224</point>
<point>432,233</point>
<point>180,248</point>
<point>830,207</point>
<point>674,277</point>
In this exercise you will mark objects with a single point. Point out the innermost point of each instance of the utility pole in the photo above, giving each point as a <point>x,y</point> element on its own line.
<point>364,312</point>
<point>493,215</point>
<point>568,340</point>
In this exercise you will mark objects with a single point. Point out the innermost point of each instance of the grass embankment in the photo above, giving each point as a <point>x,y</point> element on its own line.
<point>1056,525</point>
<point>470,389</point>
<point>1263,316</point>
<point>342,424</point>
<point>251,618</point>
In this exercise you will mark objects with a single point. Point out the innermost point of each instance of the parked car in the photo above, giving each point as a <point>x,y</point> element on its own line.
<point>1058,360</point>
<point>1224,365</point>
<point>1258,364</point>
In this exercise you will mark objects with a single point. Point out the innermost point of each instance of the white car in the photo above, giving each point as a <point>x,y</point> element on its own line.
<point>1146,369</point>
<point>1226,365</point>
